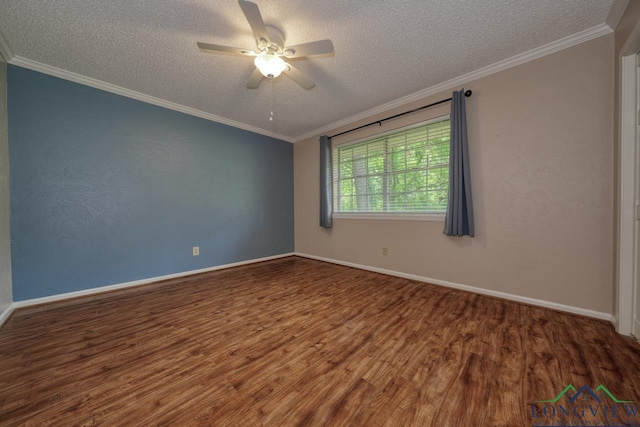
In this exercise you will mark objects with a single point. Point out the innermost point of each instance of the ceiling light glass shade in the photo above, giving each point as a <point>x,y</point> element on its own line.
<point>270,65</point>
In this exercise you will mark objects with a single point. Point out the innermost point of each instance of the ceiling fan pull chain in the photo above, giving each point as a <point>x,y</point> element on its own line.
<point>271,117</point>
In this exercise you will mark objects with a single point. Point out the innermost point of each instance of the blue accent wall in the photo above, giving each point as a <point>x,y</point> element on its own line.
<point>106,189</point>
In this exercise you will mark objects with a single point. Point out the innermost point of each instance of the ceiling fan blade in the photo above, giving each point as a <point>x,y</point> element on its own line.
<point>252,13</point>
<point>228,49</point>
<point>254,79</point>
<point>308,49</point>
<point>299,77</point>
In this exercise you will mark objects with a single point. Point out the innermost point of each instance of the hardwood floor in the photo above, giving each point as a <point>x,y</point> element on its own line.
<point>301,342</point>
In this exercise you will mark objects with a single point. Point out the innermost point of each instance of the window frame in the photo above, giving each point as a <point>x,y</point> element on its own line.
<point>395,216</point>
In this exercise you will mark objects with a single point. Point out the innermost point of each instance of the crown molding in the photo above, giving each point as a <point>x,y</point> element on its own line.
<point>564,43</point>
<point>108,87</point>
<point>616,13</point>
<point>5,49</point>
<point>536,53</point>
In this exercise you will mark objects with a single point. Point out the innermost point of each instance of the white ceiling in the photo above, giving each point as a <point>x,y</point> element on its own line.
<point>384,49</point>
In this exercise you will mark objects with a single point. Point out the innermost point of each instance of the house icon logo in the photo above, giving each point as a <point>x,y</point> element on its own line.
<point>584,406</point>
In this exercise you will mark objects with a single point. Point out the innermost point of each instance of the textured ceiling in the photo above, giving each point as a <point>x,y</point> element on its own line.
<point>384,50</point>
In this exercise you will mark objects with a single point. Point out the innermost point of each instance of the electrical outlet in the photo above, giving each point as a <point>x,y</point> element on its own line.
<point>385,251</point>
<point>196,250</point>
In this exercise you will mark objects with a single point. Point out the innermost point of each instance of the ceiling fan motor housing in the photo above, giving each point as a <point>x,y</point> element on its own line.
<point>277,41</point>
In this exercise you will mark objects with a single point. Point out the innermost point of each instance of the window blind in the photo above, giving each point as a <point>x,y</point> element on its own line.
<point>405,171</point>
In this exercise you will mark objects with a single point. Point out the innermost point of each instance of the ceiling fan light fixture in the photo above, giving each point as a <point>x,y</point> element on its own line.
<point>270,65</point>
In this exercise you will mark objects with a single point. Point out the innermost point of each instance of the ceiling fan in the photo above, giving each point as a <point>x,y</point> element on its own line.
<point>271,50</point>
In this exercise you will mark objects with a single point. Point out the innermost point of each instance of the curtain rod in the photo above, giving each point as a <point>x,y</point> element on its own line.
<point>467,94</point>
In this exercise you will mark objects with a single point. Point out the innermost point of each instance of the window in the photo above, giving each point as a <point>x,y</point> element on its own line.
<point>405,171</point>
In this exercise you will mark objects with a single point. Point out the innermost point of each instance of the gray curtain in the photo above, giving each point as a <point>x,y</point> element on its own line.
<point>326,194</point>
<point>459,219</point>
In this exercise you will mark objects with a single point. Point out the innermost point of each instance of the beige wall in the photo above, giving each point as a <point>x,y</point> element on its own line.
<point>542,173</point>
<point>5,242</point>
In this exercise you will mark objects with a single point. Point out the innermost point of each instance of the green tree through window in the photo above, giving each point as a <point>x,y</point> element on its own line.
<point>405,171</point>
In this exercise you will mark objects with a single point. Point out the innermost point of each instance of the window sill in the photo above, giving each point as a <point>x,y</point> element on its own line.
<point>393,217</point>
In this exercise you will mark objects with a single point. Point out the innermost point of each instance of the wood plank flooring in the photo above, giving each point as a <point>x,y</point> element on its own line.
<point>300,342</point>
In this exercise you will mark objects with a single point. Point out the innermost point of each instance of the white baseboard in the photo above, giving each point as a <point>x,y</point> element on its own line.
<point>4,316</point>
<point>541,303</point>
<point>503,295</point>
<point>102,289</point>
